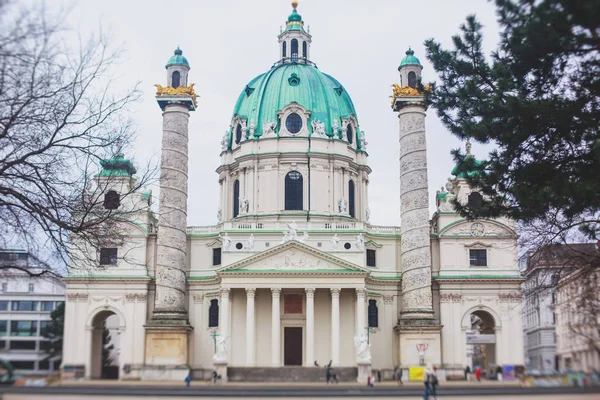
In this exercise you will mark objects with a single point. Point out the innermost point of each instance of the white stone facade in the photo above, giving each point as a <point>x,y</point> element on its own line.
<point>305,285</point>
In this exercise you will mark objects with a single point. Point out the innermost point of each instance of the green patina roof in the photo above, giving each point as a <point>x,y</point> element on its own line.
<point>468,173</point>
<point>117,166</point>
<point>177,59</point>
<point>442,195</point>
<point>410,58</point>
<point>321,94</point>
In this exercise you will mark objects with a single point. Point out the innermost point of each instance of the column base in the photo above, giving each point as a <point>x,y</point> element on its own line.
<point>220,367</point>
<point>419,343</point>
<point>364,371</point>
<point>167,345</point>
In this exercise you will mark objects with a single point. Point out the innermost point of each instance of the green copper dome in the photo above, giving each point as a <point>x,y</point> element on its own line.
<point>294,16</point>
<point>117,166</point>
<point>410,58</point>
<point>455,172</point>
<point>319,93</point>
<point>177,59</point>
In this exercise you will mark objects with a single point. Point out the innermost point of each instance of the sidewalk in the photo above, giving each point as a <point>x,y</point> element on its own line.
<point>280,384</point>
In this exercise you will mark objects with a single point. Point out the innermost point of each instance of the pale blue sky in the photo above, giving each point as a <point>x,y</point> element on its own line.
<point>229,42</point>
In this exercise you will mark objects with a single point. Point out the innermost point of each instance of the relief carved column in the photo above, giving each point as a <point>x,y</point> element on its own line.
<point>310,327</point>
<point>414,202</point>
<point>250,329</point>
<point>335,326</point>
<point>275,327</point>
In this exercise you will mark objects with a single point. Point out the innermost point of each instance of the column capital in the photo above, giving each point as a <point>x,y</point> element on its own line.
<point>275,292</point>
<point>361,292</point>
<point>198,298</point>
<point>250,292</point>
<point>335,292</point>
<point>224,292</point>
<point>310,292</point>
<point>388,299</point>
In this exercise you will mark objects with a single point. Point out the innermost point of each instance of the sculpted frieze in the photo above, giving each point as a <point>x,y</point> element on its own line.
<point>449,297</point>
<point>412,123</point>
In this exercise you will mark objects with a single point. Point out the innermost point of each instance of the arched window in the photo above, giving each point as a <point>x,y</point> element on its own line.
<point>351,198</point>
<point>294,49</point>
<point>112,200</point>
<point>284,49</point>
<point>349,133</point>
<point>475,200</point>
<point>304,50</point>
<point>175,79</point>
<point>236,198</point>
<point>213,314</point>
<point>293,191</point>
<point>293,123</point>
<point>373,314</point>
<point>238,134</point>
<point>412,79</point>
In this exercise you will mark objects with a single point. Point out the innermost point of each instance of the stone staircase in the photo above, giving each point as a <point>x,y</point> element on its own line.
<point>288,374</point>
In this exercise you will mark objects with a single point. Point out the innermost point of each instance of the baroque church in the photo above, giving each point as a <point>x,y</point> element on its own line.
<point>293,276</point>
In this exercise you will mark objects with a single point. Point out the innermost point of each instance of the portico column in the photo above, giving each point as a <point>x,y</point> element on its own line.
<point>310,327</point>
<point>335,326</point>
<point>224,308</point>
<point>360,311</point>
<point>275,327</point>
<point>250,342</point>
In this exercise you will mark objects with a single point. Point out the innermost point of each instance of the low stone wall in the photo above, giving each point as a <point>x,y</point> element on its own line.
<point>288,374</point>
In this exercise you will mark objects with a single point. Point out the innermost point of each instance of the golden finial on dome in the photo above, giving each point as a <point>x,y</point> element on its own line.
<point>295,3</point>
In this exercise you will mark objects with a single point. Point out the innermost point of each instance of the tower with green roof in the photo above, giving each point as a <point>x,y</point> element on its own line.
<point>417,298</point>
<point>169,325</point>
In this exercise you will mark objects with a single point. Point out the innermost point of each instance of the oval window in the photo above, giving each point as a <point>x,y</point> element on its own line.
<point>239,246</point>
<point>238,134</point>
<point>293,123</point>
<point>349,133</point>
<point>347,246</point>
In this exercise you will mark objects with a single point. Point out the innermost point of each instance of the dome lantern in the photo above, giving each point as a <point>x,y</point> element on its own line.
<point>177,69</point>
<point>294,41</point>
<point>410,69</point>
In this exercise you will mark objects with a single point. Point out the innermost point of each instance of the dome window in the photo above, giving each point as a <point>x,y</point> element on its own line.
<point>294,80</point>
<point>304,50</point>
<point>293,123</point>
<point>284,45</point>
<point>412,79</point>
<point>176,79</point>
<point>349,133</point>
<point>238,134</point>
<point>293,191</point>
<point>294,49</point>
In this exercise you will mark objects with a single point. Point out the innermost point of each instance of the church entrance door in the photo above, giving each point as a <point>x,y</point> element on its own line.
<point>292,339</point>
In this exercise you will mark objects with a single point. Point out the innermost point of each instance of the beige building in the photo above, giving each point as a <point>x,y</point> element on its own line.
<point>293,274</point>
<point>577,310</point>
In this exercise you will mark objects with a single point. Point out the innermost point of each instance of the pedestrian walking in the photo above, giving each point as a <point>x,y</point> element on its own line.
<point>478,374</point>
<point>328,372</point>
<point>398,374</point>
<point>427,380</point>
<point>434,382</point>
<point>188,379</point>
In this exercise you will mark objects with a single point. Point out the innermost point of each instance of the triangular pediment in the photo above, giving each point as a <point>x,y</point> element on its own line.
<point>294,257</point>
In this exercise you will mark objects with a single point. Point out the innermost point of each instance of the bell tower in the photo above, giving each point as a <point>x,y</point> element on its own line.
<point>417,320</point>
<point>168,329</point>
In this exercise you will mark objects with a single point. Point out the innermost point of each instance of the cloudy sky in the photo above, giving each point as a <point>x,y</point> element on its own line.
<point>229,42</point>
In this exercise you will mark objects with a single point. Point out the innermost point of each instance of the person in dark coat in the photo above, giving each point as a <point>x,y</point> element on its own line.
<point>329,372</point>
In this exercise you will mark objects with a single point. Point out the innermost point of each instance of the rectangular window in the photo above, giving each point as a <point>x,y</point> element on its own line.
<point>23,328</point>
<point>22,345</point>
<point>213,314</point>
<point>44,365</point>
<point>28,365</point>
<point>478,258</point>
<point>4,287</point>
<point>25,305</point>
<point>47,306</point>
<point>44,345</point>
<point>31,288</point>
<point>3,328</point>
<point>371,260</point>
<point>4,305</point>
<point>108,256</point>
<point>45,325</point>
<point>2,344</point>
<point>217,256</point>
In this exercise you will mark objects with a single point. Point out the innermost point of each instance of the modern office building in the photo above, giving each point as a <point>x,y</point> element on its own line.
<point>26,303</point>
